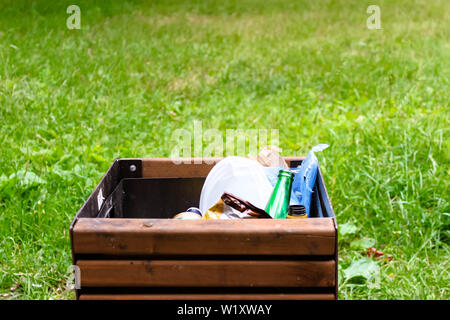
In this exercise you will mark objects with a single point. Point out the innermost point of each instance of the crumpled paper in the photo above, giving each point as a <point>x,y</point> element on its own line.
<point>270,156</point>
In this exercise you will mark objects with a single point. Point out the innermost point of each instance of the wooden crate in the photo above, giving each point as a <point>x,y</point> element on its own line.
<point>127,247</point>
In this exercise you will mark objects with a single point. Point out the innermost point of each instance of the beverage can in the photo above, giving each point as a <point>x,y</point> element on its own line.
<point>191,214</point>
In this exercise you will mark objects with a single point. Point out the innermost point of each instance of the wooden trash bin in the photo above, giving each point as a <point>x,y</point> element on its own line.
<point>126,245</point>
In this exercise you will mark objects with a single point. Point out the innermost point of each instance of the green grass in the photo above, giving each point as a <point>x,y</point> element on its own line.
<point>73,100</point>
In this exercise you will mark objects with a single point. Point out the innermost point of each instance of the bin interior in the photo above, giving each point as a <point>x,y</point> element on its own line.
<point>163,198</point>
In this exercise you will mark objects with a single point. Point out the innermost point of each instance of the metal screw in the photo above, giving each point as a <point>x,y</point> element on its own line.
<point>132,168</point>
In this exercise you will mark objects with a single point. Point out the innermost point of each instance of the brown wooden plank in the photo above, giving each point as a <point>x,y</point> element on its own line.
<point>167,168</point>
<point>206,273</point>
<point>204,237</point>
<point>189,167</point>
<point>237,296</point>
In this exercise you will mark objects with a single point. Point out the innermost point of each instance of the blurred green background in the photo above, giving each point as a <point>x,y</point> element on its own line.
<point>73,100</point>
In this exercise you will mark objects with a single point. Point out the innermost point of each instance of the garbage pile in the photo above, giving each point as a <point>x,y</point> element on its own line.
<point>265,188</point>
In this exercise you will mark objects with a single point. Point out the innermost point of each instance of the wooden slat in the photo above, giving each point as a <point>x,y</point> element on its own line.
<point>237,296</point>
<point>204,237</point>
<point>187,168</point>
<point>206,273</point>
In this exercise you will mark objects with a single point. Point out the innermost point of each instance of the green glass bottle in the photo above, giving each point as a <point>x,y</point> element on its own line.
<point>278,204</point>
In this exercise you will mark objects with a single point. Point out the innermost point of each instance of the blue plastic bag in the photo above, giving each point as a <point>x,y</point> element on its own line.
<point>305,179</point>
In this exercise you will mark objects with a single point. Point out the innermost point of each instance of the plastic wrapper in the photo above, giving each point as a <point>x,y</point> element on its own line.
<point>232,207</point>
<point>244,207</point>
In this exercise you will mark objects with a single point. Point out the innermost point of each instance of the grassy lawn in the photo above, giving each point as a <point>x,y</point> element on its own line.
<point>73,100</point>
